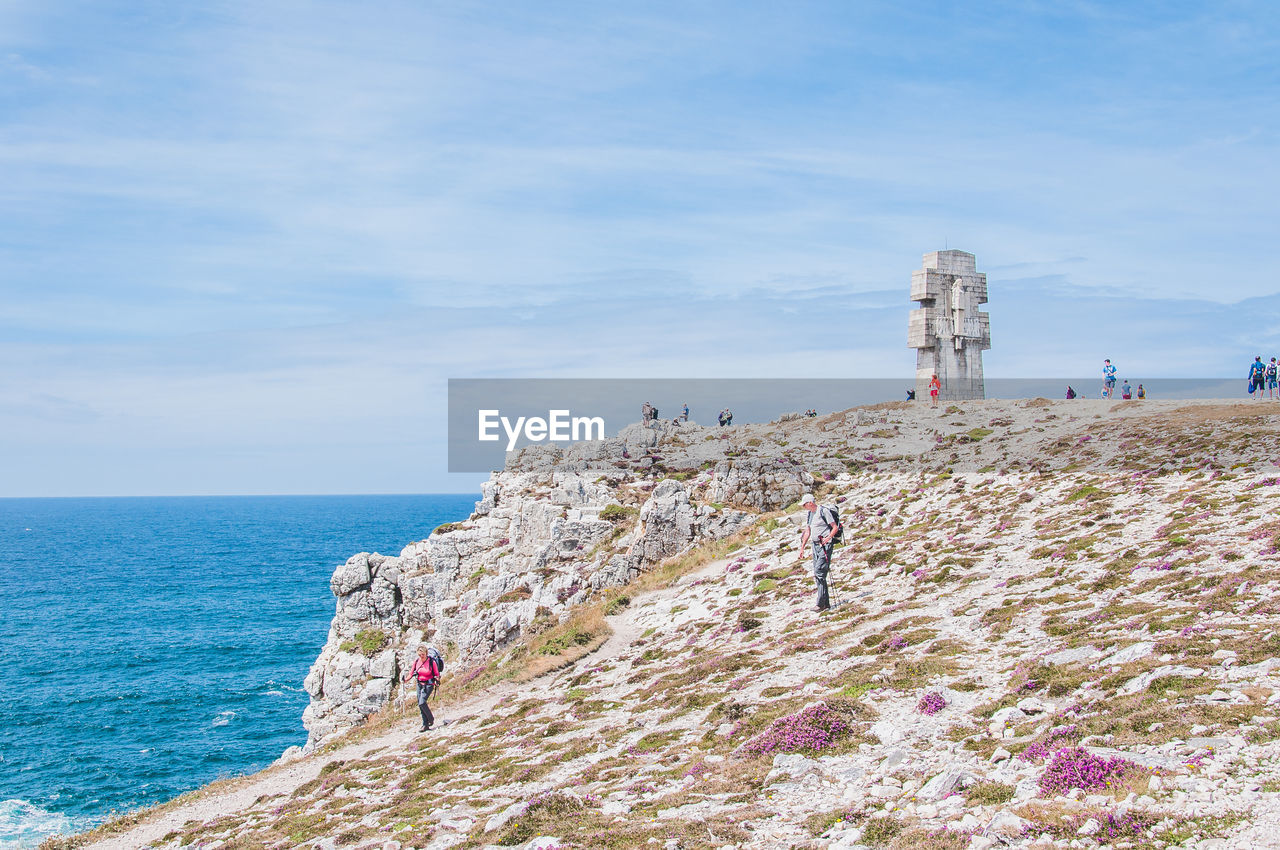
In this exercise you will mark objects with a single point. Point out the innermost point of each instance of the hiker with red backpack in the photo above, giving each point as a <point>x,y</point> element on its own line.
<point>426,671</point>
<point>822,526</point>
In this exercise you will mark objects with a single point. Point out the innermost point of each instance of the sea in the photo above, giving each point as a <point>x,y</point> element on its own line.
<point>151,645</point>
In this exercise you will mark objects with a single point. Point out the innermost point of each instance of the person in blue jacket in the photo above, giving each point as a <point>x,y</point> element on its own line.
<point>1257,376</point>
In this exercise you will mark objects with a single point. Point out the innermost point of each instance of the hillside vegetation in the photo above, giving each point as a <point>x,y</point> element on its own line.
<point>1057,624</point>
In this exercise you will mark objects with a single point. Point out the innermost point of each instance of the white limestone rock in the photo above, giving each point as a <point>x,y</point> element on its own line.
<point>887,731</point>
<point>505,816</point>
<point>1006,824</point>
<point>951,779</point>
<point>1133,652</point>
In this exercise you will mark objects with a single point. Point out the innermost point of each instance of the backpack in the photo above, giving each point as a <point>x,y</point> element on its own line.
<point>834,513</point>
<point>1271,370</point>
<point>434,657</point>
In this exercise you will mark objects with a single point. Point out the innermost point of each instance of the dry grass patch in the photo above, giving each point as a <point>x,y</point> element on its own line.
<point>580,634</point>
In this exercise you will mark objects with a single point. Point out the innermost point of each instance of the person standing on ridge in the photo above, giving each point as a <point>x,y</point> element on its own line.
<point>821,527</point>
<point>427,674</point>
<point>1257,376</point>
<point>1108,378</point>
<point>935,386</point>
<point>685,414</point>
<point>1125,390</point>
<point>1142,392</point>
<point>1271,380</point>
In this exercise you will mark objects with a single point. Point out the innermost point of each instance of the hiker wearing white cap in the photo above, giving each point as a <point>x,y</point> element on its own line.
<point>821,526</point>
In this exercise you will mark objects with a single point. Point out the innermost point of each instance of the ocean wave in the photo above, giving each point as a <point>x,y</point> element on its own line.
<point>278,688</point>
<point>223,718</point>
<point>24,824</point>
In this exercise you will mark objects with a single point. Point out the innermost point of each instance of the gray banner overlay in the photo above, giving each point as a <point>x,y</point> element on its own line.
<point>546,408</point>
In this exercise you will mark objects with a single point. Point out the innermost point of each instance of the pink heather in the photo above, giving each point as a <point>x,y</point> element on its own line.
<point>1075,767</point>
<point>816,728</point>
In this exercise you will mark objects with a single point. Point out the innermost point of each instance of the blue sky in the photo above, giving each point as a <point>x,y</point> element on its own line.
<point>244,245</point>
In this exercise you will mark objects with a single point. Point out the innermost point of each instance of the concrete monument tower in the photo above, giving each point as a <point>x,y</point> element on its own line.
<point>948,330</point>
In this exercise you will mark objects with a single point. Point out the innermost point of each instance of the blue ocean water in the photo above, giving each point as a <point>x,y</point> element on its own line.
<point>151,645</point>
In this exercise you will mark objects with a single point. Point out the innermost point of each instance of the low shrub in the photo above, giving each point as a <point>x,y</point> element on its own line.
<point>817,728</point>
<point>1056,738</point>
<point>367,642</point>
<point>543,814</point>
<point>989,793</point>
<point>1076,767</point>
<point>618,513</point>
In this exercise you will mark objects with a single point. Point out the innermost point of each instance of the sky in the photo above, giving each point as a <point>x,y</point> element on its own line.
<point>244,245</point>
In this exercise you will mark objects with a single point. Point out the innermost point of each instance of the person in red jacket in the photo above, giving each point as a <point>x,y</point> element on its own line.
<point>427,674</point>
<point>934,386</point>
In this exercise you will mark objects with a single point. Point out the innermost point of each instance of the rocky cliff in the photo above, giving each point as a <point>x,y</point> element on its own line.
<point>554,528</point>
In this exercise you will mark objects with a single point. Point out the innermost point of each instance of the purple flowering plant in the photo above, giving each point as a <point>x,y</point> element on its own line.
<point>817,728</point>
<point>1076,767</point>
<point>931,703</point>
<point>1056,738</point>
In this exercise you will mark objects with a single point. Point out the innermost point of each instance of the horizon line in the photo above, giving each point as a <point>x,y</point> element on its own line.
<point>236,495</point>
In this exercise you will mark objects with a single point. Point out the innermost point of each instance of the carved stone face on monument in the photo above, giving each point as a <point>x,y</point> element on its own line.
<point>948,330</point>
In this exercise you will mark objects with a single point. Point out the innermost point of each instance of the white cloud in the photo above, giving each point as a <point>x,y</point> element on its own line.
<point>231,224</point>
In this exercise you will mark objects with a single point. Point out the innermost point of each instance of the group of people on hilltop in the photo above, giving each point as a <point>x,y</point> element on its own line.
<point>811,413</point>
<point>1263,376</point>
<point>649,414</point>
<point>725,417</point>
<point>1109,385</point>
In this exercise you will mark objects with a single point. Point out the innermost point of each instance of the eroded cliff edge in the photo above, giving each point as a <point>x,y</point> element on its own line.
<point>553,528</point>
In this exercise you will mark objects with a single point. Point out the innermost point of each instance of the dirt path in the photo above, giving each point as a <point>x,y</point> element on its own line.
<point>242,793</point>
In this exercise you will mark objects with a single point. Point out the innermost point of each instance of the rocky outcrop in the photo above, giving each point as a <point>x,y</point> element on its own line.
<point>670,522</point>
<point>535,546</point>
<point>556,526</point>
<point>761,484</point>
